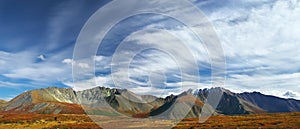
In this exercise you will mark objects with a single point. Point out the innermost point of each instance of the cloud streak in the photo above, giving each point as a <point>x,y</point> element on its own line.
<point>260,40</point>
<point>261,43</point>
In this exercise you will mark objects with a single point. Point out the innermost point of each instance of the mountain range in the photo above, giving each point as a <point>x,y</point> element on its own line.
<point>114,102</point>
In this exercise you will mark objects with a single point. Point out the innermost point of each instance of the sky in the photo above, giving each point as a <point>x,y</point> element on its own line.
<point>260,40</point>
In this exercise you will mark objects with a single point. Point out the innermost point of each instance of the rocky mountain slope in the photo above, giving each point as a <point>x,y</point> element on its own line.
<point>45,101</point>
<point>254,102</point>
<point>230,103</point>
<point>269,103</point>
<point>106,101</point>
<point>91,101</point>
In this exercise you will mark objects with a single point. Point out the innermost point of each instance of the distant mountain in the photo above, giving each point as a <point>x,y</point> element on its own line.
<point>271,104</point>
<point>92,101</point>
<point>231,103</point>
<point>290,94</point>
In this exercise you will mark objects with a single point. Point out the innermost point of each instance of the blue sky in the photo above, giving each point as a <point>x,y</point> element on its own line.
<point>260,39</point>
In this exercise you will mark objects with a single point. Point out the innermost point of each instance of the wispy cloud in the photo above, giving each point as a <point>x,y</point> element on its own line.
<point>261,43</point>
<point>23,65</point>
<point>260,40</point>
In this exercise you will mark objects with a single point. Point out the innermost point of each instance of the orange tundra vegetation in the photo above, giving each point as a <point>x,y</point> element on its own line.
<point>77,121</point>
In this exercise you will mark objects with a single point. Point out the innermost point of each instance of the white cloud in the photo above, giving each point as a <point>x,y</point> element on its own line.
<point>40,73</point>
<point>261,43</point>
<point>23,65</point>
<point>9,84</point>
<point>268,34</point>
<point>42,57</point>
<point>79,64</point>
<point>170,54</point>
<point>260,40</point>
<point>67,61</point>
<point>90,83</point>
<point>2,62</point>
<point>83,65</point>
<point>273,84</point>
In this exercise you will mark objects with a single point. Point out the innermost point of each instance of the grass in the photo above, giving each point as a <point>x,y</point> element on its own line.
<point>81,121</point>
<point>105,113</point>
<point>278,120</point>
<point>46,121</point>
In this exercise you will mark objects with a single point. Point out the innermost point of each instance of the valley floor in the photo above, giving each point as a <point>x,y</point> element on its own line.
<point>47,121</point>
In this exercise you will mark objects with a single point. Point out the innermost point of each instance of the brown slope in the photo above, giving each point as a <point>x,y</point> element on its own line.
<point>230,103</point>
<point>44,101</point>
<point>131,103</point>
<point>185,105</point>
<point>2,104</point>
<point>2,101</point>
<point>251,107</point>
<point>46,108</point>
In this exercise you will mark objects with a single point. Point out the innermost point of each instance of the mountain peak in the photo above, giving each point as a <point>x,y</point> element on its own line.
<point>66,100</point>
<point>290,94</point>
<point>215,89</point>
<point>253,93</point>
